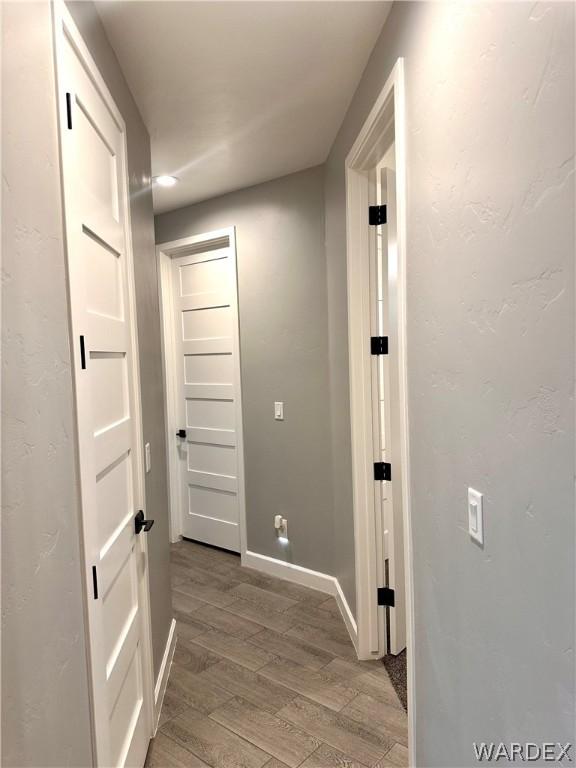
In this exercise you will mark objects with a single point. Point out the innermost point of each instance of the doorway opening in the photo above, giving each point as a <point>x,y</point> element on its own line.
<point>376,266</point>
<point>199,308</point>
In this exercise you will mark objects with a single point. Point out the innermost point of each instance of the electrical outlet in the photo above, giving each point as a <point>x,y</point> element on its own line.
<point>281,526</point>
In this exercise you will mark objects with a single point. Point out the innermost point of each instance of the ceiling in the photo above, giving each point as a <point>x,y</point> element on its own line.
<point>236,93</point>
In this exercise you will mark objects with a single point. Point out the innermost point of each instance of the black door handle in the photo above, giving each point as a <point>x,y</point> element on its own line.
<point>140,524</point>
<point>181,433</point>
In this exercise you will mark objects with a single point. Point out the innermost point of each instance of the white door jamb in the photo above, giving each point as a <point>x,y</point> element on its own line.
<point>170,389</point>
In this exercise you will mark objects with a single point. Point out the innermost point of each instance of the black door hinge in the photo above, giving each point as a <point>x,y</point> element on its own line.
<point>386,596</point>
<point>95,582</point>
<point>69,111</point>
<point>379,345</point>
<point>376,215</point>
<point>82,353</point>
<point>382,470</point>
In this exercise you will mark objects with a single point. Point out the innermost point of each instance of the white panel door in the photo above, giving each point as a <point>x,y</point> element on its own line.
<point>386,411</point>
<point>206,348</point>
<point>108,415</point>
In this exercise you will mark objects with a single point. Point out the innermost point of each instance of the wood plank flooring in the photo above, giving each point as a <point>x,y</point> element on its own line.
<point>265,676</point>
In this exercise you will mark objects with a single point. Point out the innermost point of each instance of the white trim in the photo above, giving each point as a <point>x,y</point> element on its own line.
<point>297,574</point>
<point>400,132</point>
<point>144,589</point>
<point>65,27</point>
<point>387,114</point>
<point>347,615</point>
<point>164,253</point>
<point>305,577</point>
<point>170,392</point>
<point>164,673</point>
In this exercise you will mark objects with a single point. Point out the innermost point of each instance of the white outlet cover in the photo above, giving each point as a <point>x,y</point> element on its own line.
<point>281,526</point>
<point>475,515</point>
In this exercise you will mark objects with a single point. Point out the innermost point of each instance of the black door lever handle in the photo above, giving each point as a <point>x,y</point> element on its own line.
<point>140,524</point>
<point>181,433</point>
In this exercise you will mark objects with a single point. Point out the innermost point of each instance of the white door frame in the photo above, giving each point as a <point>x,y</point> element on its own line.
<point>387,119</point>
<point>64,27</point>
<point>165,252</point>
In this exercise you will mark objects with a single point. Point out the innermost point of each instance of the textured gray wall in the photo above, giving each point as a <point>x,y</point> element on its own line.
<point>91,28</point>
<point>490,102</point>
<point>45,714</point>
<point>284,350</point>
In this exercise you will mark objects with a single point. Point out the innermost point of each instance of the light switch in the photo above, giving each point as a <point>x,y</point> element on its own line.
<point>475,516</point>
<point>279,411</point>
<point>147,457</point>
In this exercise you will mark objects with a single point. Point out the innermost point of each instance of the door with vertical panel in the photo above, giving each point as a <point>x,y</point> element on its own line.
<point>204,294</point>
<point>108,417</point>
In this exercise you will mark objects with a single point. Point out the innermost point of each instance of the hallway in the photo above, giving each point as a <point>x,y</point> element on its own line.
<point>264,674</point>
<point>291,284</point>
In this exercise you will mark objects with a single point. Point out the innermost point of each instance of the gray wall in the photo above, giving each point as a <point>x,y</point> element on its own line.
<point>45,715</point>
<point>91,28</point>
<point>490,102</point>
<point>284,356</point>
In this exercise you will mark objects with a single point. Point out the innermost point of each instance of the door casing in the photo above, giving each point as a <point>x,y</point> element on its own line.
<point>165,252</point>
<point>385,123</point>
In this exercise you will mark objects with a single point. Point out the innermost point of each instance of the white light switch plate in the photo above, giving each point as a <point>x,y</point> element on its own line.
<point>475,516</point>
<point>279,411</point>
<point>147,457</point>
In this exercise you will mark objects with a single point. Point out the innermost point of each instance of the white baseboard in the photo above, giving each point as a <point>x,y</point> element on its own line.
<point>290,572</point>
<point>306,578</point>
<point>164,673</point>
<point>347,615</point>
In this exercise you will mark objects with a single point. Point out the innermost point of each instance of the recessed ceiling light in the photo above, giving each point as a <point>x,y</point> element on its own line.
<point>165,181</point>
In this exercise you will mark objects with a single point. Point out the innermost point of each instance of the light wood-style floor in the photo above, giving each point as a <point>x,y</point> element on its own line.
<point>264,674</point>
